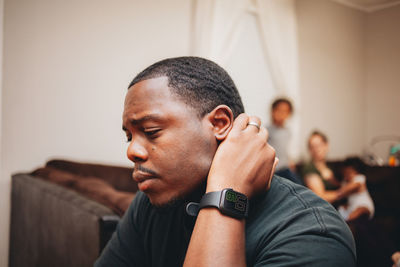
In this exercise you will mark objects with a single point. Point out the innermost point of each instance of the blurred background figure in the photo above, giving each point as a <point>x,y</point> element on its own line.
<point>359,203</point>
<point>316,173</point>
<point>279,138</point>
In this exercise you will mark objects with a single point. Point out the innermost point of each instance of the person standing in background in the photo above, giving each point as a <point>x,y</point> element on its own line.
<point>279,138</point>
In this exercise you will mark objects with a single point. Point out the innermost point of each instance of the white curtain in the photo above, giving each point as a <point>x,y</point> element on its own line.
<point>217,25</point>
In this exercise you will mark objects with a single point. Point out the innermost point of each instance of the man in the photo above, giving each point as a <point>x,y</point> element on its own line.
<point>279,138</point>
<point>188,148</point>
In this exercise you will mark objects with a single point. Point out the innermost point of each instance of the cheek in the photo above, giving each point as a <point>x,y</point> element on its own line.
<point>191,158</point>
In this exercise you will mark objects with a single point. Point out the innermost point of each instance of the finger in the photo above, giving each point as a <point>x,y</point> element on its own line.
<point>263,133</point>
<point>240,122</point>
<point>254,123</point>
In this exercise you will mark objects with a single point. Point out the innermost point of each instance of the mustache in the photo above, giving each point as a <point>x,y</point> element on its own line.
<point>144,169</point>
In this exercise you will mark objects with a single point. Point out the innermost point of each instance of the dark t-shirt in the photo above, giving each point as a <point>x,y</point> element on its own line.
<point>287,226</point>
<point>309,168</point>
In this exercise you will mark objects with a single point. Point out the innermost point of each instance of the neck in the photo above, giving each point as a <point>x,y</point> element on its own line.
<point>278,124</point>
<point>319,162</point>
<point>198,193</point>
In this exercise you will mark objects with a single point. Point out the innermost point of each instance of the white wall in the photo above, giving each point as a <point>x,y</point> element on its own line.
<point>332,74</point>
<point>255,86</point>
<point>66,68</point>
<point>4,183</point>
<point>349,75</point>
<point>383,77</point>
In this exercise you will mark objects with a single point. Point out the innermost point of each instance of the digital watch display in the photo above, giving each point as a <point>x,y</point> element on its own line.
<point>228,201</point>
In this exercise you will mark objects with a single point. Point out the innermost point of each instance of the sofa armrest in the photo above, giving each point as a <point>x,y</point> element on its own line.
<point>54,226</point>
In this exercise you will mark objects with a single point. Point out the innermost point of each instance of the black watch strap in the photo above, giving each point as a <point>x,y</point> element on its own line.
<point>228,201</point>
<point>211,199</point>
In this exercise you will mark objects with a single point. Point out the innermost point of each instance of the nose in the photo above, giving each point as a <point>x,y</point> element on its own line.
<point>136,151</point>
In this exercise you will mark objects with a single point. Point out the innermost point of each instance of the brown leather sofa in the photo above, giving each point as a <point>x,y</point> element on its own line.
<point>64,213</point>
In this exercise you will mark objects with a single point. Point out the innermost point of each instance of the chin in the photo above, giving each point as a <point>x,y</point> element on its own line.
<point>164,202</point>
<point>175,199</point>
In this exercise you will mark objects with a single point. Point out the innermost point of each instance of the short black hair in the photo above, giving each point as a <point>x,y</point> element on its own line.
<point>356,163</point>
<point>199,82</point>
<point>282,100</point>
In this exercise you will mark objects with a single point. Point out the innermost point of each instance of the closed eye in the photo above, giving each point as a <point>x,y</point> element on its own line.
<point>152,133</point>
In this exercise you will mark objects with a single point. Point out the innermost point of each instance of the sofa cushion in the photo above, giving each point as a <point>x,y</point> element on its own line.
<point>92,187</point>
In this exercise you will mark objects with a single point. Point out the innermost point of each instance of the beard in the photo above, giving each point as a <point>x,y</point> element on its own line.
<point>172,203</point>
<point>193,196</point>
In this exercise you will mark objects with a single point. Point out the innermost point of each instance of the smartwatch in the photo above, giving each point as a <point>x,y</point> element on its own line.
<point>228,201</point>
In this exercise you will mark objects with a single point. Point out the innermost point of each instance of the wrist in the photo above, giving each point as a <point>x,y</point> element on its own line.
<point>228,201</point>
<point>219,184</point>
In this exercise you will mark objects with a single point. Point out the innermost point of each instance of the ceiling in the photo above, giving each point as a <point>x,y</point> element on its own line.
<point>369,5</point>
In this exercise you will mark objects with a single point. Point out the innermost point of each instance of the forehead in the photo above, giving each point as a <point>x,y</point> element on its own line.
<point>282,105</point>
<point>316,139</point>
<point>153,97</point>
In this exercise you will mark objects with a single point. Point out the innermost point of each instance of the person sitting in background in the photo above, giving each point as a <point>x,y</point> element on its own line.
<point>279,136</point>
<point>316,174</point>
<point>354,186</point>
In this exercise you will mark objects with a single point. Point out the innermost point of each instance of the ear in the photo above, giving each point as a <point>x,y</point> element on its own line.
<point>221,119</point>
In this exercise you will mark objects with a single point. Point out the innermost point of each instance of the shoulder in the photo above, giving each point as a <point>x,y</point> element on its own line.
<point>271,129</point>
<point>125,247</point>
<point>309,168</point>
<point>287,223</point>
<point>360,178</point>
<point>286,198</point>
<point>137,213</point>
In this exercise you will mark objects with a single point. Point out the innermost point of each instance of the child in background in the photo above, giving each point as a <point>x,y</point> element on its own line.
<point>279,137</point>
<point>354,186</point>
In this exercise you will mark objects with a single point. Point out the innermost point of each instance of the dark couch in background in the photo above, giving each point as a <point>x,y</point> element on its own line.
<point>64,213</point>
<point>378,238</point>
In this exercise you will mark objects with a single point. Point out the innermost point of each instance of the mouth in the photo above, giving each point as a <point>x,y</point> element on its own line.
<point>140,176</point>
<point>144,177</point>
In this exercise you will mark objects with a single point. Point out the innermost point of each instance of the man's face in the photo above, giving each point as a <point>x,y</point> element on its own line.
<point>281,113</point>
<point>172,147</point>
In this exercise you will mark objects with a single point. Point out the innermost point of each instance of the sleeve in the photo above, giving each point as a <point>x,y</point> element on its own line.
<point>308,168</point>
<point>125,247</point>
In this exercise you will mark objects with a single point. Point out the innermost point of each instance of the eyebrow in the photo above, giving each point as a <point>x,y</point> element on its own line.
<point>151,117</point>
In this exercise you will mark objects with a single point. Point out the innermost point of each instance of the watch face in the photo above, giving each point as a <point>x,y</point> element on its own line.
<point>233,203</point>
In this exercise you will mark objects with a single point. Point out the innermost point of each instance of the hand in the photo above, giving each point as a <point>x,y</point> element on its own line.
<point>244,161</point>
<point>340,194</point>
